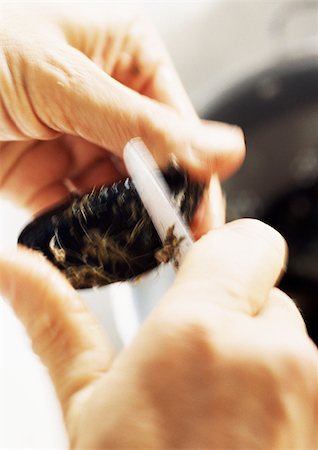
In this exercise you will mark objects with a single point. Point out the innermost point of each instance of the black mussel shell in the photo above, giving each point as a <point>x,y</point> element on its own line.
<point>106,236</point>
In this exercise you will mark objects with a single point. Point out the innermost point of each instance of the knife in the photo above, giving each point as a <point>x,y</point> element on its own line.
<point>155,196</point>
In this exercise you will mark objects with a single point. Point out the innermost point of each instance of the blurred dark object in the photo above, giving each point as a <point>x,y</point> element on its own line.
<point>278,183</point>
<point>106,235</point>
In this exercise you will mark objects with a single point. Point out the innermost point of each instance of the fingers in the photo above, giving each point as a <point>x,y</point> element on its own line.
<point>45,197</point>
<point>136,57</point>
<point>60,90</point>
<point>129,49</point>
<point>63,333</point>
<point>85,101</point>
<point>32,168</point>
<point>233,267</point>
<point>144,65</point>
<point>166,87</point>
<point>219,146</point>
<point>35,174</point>
<point>210,214</point>
<point>280,310</point>
<point>100,172</point>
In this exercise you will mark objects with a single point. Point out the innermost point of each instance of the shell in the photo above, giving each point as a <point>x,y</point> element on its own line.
<point>107,235</point>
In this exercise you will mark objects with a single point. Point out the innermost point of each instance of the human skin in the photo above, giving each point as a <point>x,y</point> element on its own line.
<point>223,362</point>
<point>76,85</point>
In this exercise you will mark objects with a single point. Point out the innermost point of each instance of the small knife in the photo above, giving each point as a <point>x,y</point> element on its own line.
<point>154,193</point>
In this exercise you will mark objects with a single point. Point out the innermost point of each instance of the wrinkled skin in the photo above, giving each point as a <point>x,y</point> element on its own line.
<point>224,362</point>
<point>75,87</point>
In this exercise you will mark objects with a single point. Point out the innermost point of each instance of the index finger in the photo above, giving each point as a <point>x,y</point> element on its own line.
<point>138,58</point>
<point>151,71</point>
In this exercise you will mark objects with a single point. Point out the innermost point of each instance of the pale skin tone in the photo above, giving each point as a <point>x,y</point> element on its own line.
<point>73,92</point>
<point>224,361</point>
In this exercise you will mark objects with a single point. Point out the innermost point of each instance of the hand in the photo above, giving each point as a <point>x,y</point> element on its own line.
<point>224,362</point>
<point>76,85</point>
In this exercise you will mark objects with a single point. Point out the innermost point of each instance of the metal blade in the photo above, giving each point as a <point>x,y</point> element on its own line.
<point>154,193</point>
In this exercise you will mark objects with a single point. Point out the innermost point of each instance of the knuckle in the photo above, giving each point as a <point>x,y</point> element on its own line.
<point>58,74</point>
<point>21,75</point>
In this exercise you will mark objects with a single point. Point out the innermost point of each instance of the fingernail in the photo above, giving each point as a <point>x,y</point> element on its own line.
<point>259,230</point>
<point>212,137</point>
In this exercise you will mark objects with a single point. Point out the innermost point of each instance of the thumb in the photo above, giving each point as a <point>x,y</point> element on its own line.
<point>85,101</point>
<point>63,333</point>
<point>234,267</point>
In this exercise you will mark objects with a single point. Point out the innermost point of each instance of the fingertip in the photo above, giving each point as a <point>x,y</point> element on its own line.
<point>25,275</point>
<point>198,168</point>
<point>218,135</point>
<point>261,237</point>
<point>211,211</point>
<point>257,230</point>
<point>201,147</point>
<point>237,263</point>
<point>217,147</point>
<point>199,225</point>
